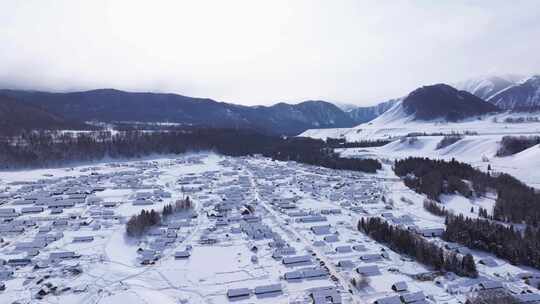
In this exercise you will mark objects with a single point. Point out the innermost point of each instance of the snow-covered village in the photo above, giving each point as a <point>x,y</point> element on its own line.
<point>253,230</point>
<point>269,152</point>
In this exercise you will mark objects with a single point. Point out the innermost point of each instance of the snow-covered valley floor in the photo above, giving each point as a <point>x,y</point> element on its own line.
<point>299,240</point>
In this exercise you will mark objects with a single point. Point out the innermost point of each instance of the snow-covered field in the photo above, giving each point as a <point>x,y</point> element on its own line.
<point>478,148</point>
<point>297,211</point>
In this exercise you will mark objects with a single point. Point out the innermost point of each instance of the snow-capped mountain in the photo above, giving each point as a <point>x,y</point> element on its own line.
<point>525,94</point>
<point>365,114</point>
<point>437,108</point>
<point>486,87</point>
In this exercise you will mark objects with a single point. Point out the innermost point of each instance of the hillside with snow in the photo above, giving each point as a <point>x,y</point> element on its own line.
<point>525,94</point>
<point>480,137</point>
<point>396,122</point>
<point>438,109</point>
<point>486,87</point>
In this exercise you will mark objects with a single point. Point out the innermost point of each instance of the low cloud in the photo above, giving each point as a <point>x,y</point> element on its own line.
<point>254,52</point>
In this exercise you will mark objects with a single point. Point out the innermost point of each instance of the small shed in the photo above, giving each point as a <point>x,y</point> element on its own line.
<point>313,273</point>
<point>296,259</point>
<point>268,289</point>
<point>331,238</point>
<point>238,292</point>
<point>293,275</point>
<point>399,286</point>
<point>490,285</point>
<point>370,257</point>
<point>368,270</point>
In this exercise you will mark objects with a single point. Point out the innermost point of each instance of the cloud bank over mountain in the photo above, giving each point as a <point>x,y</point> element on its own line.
<point>260,53</point>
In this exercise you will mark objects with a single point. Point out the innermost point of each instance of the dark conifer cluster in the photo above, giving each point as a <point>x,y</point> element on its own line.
<point>511,145</point>
<point>448,140</point>
<point>140,223</point>
<point>516,202</point>
<point>318,153</point>
<point>518,247</point>
<point>412,244</point>
<point>483,213</point>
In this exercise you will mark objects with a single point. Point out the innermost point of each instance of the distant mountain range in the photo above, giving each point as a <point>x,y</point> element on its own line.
<point>508,92</point>
<point>488,86</point>
<point>525,94</point>
<point>108,105</point>
<point>472,97</point>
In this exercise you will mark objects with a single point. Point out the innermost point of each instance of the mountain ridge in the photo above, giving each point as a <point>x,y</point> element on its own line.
<point>111,105</point>
<point>366,114</point>
<point>525,94</point>
<point>487,86</point>
<point>16,115</point>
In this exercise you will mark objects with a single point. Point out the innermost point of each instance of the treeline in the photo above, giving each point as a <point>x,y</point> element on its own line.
<point>516,202</point>
<point>511,145</point>
<point>343,143</point>
<point>314,152</point>
<point>140,223</point>
<point>434,208</point>
<point>518,247</point>
<point>410,243</point>
<point>42,149</point>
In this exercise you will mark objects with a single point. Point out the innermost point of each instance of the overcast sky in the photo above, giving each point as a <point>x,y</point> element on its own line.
<point>262,52</point>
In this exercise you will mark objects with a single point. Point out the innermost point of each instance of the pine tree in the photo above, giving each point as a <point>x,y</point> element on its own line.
<point>469,266</point>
